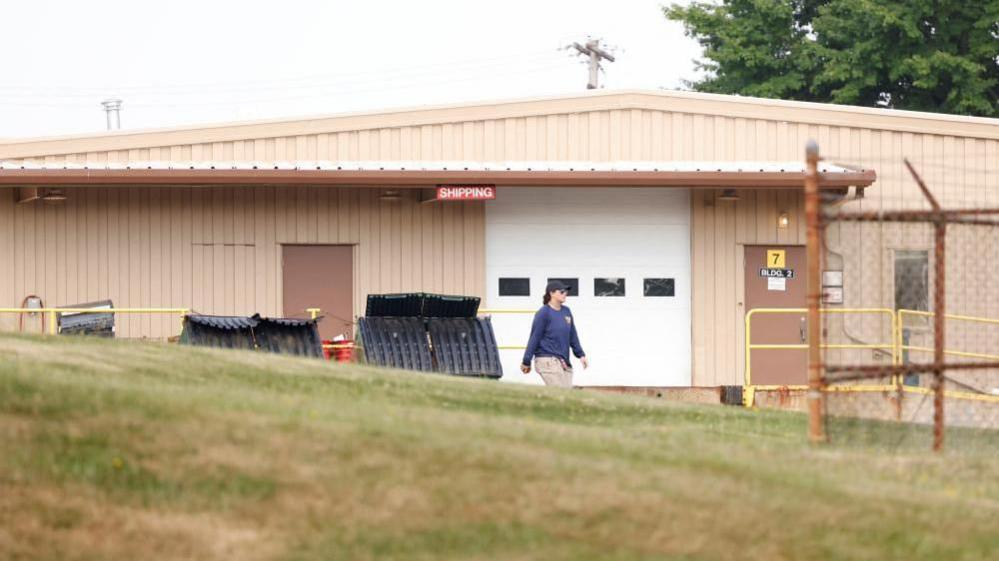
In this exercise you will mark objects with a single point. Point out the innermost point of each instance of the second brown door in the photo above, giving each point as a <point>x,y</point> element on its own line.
<point>320,276</point>
<point>777,366</point>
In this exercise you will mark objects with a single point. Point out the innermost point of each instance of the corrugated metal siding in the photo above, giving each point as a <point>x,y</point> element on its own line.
<point>960,159</point>
<point>962,172</point>
<point>217,250</point>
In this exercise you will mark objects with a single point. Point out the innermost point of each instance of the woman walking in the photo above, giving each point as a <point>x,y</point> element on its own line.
<point>552,334</point>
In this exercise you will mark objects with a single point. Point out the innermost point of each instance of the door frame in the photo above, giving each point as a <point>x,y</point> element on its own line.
<point>740,298</point>
<point>354,273</point>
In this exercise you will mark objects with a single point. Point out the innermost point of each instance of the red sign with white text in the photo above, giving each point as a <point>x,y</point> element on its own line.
<point>466,192</point>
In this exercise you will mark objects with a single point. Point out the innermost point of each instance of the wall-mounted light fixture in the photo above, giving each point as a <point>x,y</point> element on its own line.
<point>31,194</point>
<point>783,220</point>
<point>53,196</point>
<point>728,195</point>
<point>390,196</point>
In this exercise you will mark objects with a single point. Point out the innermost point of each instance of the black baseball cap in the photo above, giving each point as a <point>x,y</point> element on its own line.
<point>555,285</point>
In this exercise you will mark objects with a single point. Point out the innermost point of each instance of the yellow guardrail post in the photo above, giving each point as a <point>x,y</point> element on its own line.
<point>748,395</point>
<point>899,377</point>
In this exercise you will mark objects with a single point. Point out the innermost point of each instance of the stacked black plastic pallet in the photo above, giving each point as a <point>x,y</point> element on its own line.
<point>430,333</point>
<point>396,342</point>
<point>299,337</point>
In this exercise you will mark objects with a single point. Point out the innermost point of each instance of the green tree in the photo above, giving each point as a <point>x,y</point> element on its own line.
<point>926,55</point>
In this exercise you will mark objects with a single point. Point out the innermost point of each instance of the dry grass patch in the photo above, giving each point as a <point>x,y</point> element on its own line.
<point>162,452</point>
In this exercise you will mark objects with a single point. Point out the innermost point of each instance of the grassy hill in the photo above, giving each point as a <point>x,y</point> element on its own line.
<point>153,452</point>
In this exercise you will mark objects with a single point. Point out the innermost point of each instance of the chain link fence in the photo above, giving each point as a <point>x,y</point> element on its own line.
<point>924,280</point>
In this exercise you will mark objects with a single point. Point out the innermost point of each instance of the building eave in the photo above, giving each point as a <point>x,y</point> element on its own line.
<point>737,175</point>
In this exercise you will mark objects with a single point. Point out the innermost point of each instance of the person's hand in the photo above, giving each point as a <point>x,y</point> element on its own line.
<point>525,369</point>
<point>586,362</point>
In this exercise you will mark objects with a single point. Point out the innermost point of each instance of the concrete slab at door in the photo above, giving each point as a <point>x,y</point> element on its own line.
<point>320,276</point>
<point>771,288</point>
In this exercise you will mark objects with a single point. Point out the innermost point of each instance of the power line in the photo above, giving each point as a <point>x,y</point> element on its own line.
<point>465,66</point>
<point>382,83</point>
<point>330,93</point>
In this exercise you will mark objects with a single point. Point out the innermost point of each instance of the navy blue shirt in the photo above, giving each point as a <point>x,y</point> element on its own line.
<point>552,333</point>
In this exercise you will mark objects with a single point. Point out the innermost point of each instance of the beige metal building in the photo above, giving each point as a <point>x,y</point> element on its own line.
<point>207,217</point>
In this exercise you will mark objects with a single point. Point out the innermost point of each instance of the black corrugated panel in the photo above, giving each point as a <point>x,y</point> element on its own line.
<point>222,332</point>
<point>418,304</point>
<point>395,305</point>
<point>288,322</point>
<point>442,306</point>
<point>96,324</point>
<point>289,336</point>
<point>225,323</point>
<point>396,342</point>
<point>465,347</point>
<point>276,335</point>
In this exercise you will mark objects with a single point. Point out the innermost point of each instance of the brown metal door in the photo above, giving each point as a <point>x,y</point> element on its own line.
<point>320,276</point>
<point>780,366</point>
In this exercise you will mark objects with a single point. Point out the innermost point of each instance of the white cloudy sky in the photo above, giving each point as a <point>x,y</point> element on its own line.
<point>190,61</point>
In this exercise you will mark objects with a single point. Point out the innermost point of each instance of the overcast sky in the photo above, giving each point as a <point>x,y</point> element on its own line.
<point>196,61</point>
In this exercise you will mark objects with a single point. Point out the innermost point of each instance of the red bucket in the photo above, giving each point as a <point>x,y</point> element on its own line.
<point>343,351</point>
<point>327,349</point>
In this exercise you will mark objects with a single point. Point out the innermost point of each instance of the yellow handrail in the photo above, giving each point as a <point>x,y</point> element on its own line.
<point>896,347</point>
<point>948,316</point>
<point>51,312</point>
<point>750,346</point>
<point>494,311</point>
<point>748,387</point>
<point>964,354</point>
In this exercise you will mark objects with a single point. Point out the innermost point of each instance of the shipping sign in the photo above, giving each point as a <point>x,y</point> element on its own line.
<point>466,192</point>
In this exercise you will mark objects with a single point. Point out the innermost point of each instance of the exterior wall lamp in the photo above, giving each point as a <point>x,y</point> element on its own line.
<point>783,220</point>
<point>390,196</point>
<point>728,195</point>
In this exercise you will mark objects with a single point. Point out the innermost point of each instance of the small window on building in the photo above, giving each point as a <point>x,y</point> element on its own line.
<point>608,286</point>
<point>912,285</point>
<point>659,287</point>
<point>515,286</point>
<point>573,285</point>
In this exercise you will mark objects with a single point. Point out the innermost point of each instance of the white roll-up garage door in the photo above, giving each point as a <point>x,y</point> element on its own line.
<point>627,250</point>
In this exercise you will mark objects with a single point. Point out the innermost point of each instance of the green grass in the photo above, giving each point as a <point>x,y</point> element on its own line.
<point>144,451</point>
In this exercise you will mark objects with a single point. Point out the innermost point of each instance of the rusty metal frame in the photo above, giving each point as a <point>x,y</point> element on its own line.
<point>820,374</point>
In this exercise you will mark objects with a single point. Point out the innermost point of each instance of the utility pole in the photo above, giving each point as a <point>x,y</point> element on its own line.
<point>593,51</point>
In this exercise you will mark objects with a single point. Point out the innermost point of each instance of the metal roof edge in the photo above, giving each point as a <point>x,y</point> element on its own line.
<point>654,100</point>
<point>774,177</point>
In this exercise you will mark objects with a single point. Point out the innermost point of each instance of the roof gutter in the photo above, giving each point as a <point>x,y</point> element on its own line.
<point>422,178</point>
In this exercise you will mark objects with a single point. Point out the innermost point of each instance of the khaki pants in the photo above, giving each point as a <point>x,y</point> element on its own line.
<point>552,373</point>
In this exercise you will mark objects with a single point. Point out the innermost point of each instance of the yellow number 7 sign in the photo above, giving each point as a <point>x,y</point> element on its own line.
<point>776,258</point>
